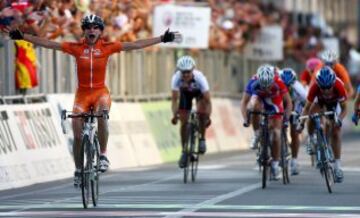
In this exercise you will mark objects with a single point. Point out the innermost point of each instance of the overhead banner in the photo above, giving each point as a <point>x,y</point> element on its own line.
<point>192,22</point>
<point>268,45</point>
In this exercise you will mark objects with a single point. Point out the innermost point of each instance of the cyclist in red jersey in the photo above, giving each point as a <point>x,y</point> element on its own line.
<point>325,94</point>
<point>91,55</point>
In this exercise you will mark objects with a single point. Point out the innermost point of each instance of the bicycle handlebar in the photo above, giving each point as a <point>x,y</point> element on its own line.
<point>265,114</point>
<point>321,114</point>
<point>104,114</point>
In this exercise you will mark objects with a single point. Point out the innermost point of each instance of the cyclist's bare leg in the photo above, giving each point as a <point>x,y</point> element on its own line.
<point>314,108</point>
<point>183,117</point>
<point>203,108</point>
<point>77,125</point>
<point>295,141</point>
<point>103,134</point>
<point>336,141</point>
<point>275,126</point>
<point>103,103</point>
<point>255,104</point>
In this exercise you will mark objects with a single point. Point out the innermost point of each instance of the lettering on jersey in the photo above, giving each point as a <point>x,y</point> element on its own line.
<point>37,128</point>
<point>7,142</point>
<point>97,52</point>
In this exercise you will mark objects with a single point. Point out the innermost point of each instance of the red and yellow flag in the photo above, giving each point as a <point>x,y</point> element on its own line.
<point>25,71</point>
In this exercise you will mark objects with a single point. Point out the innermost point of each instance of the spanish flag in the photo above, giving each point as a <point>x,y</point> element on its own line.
<point>25,71</point>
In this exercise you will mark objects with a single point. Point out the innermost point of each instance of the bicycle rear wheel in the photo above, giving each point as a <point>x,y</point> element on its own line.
<point>85,169</point>
<point>95,172</point>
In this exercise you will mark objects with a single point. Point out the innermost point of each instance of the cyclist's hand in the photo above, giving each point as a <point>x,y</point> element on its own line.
<point>355,119</point>
<point>338,123</point>
<point>300,127</point>
<point>169,36</point>
<point>16,34</point>
<point>174,120</point>
<point>208,123</point>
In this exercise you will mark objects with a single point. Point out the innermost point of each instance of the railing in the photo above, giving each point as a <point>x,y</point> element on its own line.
<point>135,73</point>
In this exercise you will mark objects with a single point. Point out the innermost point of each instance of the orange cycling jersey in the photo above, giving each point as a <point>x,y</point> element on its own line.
<point>91,61</point>
<point>340,72</point>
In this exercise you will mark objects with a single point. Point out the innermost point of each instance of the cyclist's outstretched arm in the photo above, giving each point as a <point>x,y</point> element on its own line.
<point>143,43</point>
<point>18,34</point>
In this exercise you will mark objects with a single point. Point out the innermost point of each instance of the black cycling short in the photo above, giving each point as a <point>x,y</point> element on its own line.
<point>186,98</point>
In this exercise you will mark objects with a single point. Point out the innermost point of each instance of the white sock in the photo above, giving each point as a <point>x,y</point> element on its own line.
<point>275,164</point>
<point>337,163</point>
<point>78,170</point>
<point>293,161</point>
<point>103,154</point>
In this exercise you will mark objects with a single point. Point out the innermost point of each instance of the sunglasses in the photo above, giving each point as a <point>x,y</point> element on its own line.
<point>96,27</point>
<point>185,72</point>
<point>326,88</point>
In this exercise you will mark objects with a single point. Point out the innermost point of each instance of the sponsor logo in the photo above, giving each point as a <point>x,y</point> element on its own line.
<point>7,142</point>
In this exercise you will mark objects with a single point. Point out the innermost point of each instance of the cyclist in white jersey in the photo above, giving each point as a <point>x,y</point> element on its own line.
<point>190,83</point>
<point>298,96</point>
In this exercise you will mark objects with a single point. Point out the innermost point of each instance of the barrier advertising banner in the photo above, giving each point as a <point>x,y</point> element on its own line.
<point>32,148</point>
<point>158,115</point>
<point>192,22</point>
<point>132,122</point>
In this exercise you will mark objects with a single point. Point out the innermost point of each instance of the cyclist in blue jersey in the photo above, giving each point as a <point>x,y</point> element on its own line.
<point>298,96</point>
<point>266,92</point>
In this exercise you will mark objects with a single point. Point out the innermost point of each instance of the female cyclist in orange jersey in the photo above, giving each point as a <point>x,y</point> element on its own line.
<point>91,55</point>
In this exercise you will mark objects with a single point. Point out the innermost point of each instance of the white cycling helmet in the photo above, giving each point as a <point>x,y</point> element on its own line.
<point>185,63</point>
<point>265,75</point>
<point>329,57</point>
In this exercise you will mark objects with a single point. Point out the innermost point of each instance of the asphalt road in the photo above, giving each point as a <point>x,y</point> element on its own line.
<point>228,185</point>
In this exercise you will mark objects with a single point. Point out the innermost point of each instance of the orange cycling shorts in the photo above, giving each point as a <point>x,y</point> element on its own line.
<point>99,98</point>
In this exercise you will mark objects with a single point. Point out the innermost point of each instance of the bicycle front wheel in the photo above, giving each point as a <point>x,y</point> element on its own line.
<point>187,150</point>
<point>329,176</point>
<point>96,172</point>
<point>85,171</point>
<point>285,159</point>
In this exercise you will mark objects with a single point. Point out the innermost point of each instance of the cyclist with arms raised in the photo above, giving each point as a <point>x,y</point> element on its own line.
<point>266,92</point>
<point>91,55</point>
<point>298,97</point>
<point>190,83</point>
<point>325,94</point>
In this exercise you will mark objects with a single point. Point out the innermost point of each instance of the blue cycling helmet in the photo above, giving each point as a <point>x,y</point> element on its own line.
<point>288,76</point>
<point>325,77</point>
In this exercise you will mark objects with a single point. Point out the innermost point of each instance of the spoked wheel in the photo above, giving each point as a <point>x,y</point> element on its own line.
<point>194,166</point>
<point>187,166</point>
<point>188,152</point>
<point>95,174</point>
<point>285,161</point>
<point>265,169</point>
<point>329,176</point>
<point>85,172</point>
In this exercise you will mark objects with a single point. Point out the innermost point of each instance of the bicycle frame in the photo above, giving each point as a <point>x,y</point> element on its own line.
<point>264,157</point>
<point>190,146</point>
<point>323,153</point>
<point>90,149</point>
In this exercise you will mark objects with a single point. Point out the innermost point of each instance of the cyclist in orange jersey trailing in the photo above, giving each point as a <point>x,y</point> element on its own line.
<point>329,58</point>
<point>91,55</point>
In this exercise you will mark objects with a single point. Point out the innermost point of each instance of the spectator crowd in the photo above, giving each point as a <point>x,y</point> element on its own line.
<point>233,22</point>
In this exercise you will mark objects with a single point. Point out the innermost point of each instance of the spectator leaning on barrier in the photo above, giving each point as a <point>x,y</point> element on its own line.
<point>91,55</point>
